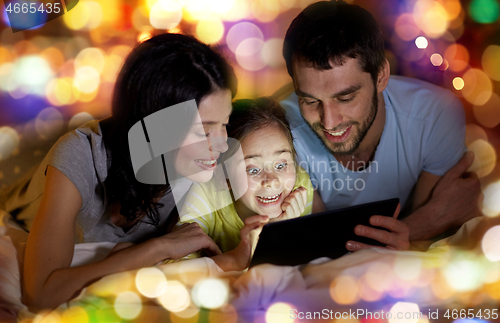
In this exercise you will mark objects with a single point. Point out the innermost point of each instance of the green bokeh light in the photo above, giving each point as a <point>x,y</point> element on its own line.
<point>484,11</point>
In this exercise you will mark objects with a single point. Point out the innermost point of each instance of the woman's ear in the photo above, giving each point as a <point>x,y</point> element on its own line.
<point>383,76</point>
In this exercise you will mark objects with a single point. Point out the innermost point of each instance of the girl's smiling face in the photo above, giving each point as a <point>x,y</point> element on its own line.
<point>270,171</point>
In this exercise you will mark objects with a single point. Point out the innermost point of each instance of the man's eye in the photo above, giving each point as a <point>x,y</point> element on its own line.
<point>310,102</point>
<point>280,166</point>
<point>253,171</point>
<point>345,99</point>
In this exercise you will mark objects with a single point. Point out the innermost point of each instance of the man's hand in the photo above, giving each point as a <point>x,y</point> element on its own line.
<point>293,205</point>
<point>456,198</point>
<point>396,238</point>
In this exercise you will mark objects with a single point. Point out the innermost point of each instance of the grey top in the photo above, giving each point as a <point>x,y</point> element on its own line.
<point>82,157</point>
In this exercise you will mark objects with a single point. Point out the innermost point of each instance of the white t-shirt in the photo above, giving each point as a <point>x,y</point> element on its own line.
<point>424,131</point>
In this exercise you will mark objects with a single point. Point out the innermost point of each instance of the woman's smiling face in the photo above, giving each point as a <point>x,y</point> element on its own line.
<point>270,172</point>
<point>206,140</point>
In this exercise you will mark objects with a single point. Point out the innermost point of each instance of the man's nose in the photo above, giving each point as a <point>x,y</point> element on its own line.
<point>331,115</point>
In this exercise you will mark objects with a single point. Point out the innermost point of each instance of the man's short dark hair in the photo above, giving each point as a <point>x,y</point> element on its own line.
<point>331,31</point>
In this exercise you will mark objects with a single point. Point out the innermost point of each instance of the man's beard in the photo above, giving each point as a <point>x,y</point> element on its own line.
<point>346,148</point>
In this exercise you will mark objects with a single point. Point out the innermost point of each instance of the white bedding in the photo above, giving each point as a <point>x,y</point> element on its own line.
<point>349,283</point>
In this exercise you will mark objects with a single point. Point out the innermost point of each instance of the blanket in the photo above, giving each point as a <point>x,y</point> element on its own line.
<point>458,277</point>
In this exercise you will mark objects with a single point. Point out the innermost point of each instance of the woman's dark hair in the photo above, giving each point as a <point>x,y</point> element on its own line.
<point>251,115</point>
<point>160,72</point>
<point>331,31</point>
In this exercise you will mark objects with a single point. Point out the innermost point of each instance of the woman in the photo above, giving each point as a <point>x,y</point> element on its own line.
<point>89,188</point>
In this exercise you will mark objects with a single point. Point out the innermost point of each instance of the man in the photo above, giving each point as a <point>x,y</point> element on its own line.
<point>364,135</point>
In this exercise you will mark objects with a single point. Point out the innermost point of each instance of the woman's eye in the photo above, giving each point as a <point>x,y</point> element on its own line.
<point>253,171</point>
<point>280,166</point>
<point>203,135</point>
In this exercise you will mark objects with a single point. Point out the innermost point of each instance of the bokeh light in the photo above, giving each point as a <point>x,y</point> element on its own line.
<point>488,115</point>
<point>31,73</point>
<point>265,10</point>
<point>477,87</point>
<point>86,16</point>
<point>485,157</point>
<point>49,123</point>
<point>421,42</point>
<point>93,57</point>
<point>464,274</point>
<point>410,313</point>
<point>79,119</point>
<point>458,83</point>
<point>226,314</point>
<point>491,203</point>
<point>128,305</point>
<point>436,59</point>
<point>484,11</point>
<point>165,14</point>
<point>491,62</point>
<point>75,314</point>
<point>9,141</point>
<point>491,243</point>
<point>87,79</point>
<point>176,297</point>
<point>407,268</point>
<point>279,313</point>
<point>457,56</point>
<point>344,290</point>
<point>151,282</point>
<point>406,28</point>
<point>210,293</point>
<point>271,52</point>
<point>210,30</point>
<point>241,31</point>
<point>248,54</point>
<point>430,17</point>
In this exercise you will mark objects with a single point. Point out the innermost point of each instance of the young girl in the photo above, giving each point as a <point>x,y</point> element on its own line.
<point>276,187</point>
<point>85,189</point>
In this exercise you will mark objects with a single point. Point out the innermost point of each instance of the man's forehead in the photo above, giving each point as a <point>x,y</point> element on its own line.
<point>303,63</point>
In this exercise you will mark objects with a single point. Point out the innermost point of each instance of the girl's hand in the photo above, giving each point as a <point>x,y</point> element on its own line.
<point>186,239</point>
<point>293,205</point>
<point>249,237</point>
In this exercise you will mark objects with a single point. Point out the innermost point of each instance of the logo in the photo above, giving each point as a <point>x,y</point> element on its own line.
<point>26,14</point>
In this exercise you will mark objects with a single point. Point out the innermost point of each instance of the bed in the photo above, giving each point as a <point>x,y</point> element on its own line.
<point>454,279</point>
<point>458,277</point>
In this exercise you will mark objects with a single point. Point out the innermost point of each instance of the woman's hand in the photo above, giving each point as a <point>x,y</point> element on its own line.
<point>293,205</point>
<point>239,258</point>
<point>186,239</point>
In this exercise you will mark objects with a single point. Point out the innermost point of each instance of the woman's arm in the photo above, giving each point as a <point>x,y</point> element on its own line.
<point>48,278</point>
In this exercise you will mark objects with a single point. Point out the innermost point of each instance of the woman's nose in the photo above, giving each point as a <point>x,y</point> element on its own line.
<point>217,144</point>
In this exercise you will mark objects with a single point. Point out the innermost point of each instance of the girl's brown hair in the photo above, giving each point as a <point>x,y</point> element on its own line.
<point>251,115</point>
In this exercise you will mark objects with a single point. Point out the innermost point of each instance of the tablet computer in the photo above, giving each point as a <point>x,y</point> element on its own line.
<point>300,240</point>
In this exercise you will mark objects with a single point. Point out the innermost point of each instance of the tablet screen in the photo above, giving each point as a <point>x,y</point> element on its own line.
<point>300,240</point>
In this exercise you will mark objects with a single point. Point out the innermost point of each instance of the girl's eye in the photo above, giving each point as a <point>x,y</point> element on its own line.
<point>280,166</point>
<point>253,171</point>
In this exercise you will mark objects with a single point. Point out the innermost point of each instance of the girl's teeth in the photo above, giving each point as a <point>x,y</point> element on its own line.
<point>269,199</point>
<point>337,134</point>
